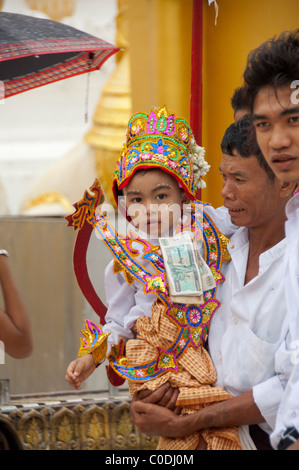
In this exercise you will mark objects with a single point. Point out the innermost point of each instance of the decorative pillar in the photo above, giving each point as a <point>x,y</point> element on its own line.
<point>113,110</point>
<point>160,36</point>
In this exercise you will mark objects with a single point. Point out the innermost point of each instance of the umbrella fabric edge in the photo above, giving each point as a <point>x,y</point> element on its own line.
<point>52,46</point>
<point>81,64</point>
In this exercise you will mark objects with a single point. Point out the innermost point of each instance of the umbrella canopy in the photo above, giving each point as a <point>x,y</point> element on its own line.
<point>35,52</point>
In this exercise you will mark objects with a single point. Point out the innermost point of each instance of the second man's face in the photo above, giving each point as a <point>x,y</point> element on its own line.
<point>251,199</point>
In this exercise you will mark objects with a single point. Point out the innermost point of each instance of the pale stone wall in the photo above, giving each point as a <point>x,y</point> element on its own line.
<point>41,257</point>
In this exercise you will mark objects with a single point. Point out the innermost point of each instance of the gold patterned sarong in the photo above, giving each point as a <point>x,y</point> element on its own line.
<point>195,379</point>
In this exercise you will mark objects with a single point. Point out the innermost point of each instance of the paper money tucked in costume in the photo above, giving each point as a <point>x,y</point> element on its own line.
<point>149,336</point>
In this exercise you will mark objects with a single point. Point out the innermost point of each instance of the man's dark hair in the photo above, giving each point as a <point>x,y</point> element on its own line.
<point>239,100</point>
<point>274,63</point>
<point>240,137</point>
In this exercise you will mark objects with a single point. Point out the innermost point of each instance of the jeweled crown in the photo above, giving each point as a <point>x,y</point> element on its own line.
<point>158,122</point>
<point>161,140</point>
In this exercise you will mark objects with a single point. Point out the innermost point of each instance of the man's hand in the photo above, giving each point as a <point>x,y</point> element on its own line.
<point>294,446</point>
<point>155,412</point>
<point>155,420</point>
<point>158,421</point>
<point>79,370</point>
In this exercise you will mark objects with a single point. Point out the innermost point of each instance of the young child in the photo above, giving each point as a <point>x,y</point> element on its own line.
<point>149,336</point>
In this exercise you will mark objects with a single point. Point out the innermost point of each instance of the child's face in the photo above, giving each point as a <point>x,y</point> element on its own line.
<point>154,201</point>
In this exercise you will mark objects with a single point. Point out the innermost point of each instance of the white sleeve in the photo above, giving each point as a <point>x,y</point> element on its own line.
<point>126,302</point>
<point>287,359</point>
<point>267,396</point>
<point>221,219</point>
<point>120,300</point>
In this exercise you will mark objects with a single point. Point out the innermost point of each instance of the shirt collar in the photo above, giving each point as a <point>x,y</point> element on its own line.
<point>292,205</point>
<point>240,240</point>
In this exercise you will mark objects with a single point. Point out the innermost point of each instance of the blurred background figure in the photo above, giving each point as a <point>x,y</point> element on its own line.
<point>15,328</point>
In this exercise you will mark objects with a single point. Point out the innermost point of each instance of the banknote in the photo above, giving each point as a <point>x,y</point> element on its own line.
<point>187,273</point>
<point>207,278</point>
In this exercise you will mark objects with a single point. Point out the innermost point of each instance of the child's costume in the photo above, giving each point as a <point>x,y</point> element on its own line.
<point>167,338</point>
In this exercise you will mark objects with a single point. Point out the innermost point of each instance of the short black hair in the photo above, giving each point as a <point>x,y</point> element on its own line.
<point>275,62</point>
<point>240,100</point>
<point>240,137</point>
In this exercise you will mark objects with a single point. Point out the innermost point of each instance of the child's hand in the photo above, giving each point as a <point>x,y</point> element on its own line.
<point>79,370</point>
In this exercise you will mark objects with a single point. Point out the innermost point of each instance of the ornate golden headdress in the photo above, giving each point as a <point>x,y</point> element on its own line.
<point>160,140</point>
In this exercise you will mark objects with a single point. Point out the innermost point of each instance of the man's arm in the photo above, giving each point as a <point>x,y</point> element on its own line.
<point>156,420</point>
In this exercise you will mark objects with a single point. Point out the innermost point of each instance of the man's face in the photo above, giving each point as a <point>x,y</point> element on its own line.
<point>154,202</point>
<point>252,200</point>
<point>276,119</point>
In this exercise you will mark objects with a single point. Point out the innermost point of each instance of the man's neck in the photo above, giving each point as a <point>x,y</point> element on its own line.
<point>263,238</point>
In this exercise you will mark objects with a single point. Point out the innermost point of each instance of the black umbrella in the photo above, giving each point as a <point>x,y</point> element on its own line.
<point>35,52</point>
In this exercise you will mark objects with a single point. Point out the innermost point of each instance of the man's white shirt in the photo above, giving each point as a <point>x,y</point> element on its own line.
<point>287,358</point>
<point>250,326</point>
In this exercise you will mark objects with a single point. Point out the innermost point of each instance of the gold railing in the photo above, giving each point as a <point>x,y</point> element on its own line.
<point>81,421</point>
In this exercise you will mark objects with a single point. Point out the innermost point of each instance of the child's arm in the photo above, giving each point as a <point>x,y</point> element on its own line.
<point>79,370</point>
<point>126,302</point>
<point>120,298</point>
